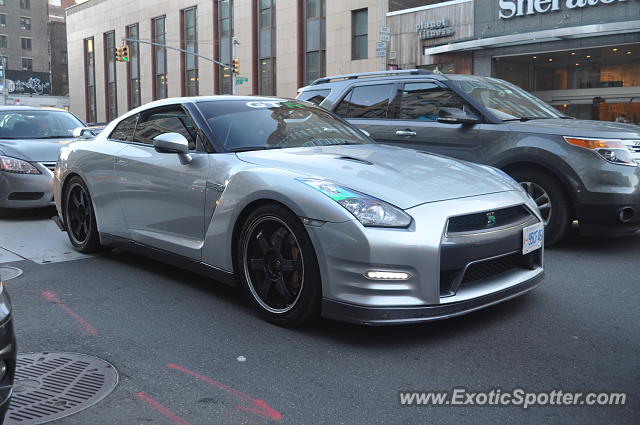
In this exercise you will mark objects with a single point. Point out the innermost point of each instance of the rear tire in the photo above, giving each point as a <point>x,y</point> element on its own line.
<point>79,217</point>
<point>278,267</point>
<point>550,198</point>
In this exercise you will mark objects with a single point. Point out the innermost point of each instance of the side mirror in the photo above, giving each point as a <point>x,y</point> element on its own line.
<point>173,143</point>
<point>365,132</point>
<point>456,116</point>
<point>83,133</point>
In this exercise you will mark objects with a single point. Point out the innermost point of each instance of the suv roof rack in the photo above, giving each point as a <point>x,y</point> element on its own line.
<point>371,74</point>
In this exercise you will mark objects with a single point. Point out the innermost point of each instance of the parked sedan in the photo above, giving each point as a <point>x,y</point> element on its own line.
<point>301,209</point>
<point>30,139</point>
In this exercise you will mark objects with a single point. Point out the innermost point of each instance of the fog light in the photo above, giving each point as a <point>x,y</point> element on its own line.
<point>383,275</point>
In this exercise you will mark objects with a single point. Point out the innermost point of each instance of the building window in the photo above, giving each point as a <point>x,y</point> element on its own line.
<point>190,44</point>
<point>4,61</point>
<point>90,79</point>
<point>225,34</point>
<point>159,58</point>
<point>110,75</point>
<point>27,64</point>
<point>133,32</point>
<point>3,41</point>
<point>26,43</point>
<point>25,4</point>
<point>3,20</point>
<point>314,40</point>
<point>266,48</point>
<point>1,2</point>
<point>359,39</point>
<point>25,23</point>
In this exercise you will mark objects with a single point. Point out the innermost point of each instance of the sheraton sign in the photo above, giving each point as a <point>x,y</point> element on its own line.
<point>511,8</point>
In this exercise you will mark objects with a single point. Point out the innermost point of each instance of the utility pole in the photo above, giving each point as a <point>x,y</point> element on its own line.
<point>383,59</point>
<point>234,55</point>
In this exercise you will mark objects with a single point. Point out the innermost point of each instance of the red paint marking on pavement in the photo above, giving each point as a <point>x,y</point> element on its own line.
<point>258,407</point>
<point>53,297</point>
<point>161,409</point>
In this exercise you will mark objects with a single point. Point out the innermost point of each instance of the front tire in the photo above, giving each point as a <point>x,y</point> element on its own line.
<point>79,217</point>
<point>278,267</point>
<point>551,200</point>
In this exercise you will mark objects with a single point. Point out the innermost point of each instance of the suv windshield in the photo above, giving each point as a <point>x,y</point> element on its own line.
<point>241,125</point>
<point>37,124</point>
<point>506,101</point>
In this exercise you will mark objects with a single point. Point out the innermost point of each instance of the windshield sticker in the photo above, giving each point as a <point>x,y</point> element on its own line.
<point>275,104</point>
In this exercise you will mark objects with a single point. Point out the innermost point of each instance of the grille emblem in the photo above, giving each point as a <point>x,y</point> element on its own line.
<point>491,218</point>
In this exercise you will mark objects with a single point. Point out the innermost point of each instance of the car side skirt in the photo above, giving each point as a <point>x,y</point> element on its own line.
<point>223,276</point>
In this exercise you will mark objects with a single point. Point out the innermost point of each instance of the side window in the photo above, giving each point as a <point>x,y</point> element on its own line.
<point>422,101</point>
<point>172,119</point>
<point>367,102</point>
<point>124,130</point>
<point>314,96</point>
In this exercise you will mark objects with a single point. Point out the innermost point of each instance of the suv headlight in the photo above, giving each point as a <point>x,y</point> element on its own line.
<point>18,166</point>
<point>369,211</point>
<point>614,151</point>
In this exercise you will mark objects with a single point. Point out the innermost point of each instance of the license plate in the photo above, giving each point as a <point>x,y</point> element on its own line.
<point>532,238</point>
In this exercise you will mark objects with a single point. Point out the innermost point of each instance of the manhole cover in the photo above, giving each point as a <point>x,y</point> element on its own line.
<point>50,386</point>
<point>8,272</point>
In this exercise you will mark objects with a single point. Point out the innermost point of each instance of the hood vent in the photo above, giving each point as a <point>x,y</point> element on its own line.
<point>350,158</point>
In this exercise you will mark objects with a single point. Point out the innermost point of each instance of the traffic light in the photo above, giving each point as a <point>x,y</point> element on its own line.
<point>235,66</point>
<point>118,54</point>
<point>125,53</point>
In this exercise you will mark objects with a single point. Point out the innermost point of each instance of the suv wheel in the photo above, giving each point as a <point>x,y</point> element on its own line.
<point>551,200</point>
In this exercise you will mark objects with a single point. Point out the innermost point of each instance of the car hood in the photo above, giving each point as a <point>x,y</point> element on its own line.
<point>402,177</point>
<point>45,150</point>
<point>578,128</point>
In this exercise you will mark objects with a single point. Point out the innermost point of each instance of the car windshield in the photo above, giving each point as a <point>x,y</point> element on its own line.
<point>37,124</point>
<point>275,123</point>
<point>506,101</point>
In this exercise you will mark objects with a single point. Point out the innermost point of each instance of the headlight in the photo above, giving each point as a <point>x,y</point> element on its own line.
<point>504,177</point>
<point>369,211</point>
<point>18,166</point>
<point>614,151</point>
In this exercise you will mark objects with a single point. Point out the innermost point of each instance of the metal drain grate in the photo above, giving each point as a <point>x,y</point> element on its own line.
<point>8,272</point>
<point>50,386</point>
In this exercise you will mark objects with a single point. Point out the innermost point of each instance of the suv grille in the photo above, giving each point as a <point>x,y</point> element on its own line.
<point>488,220</point>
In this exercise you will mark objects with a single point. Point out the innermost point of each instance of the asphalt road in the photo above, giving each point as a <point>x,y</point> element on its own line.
<point>579,331</point>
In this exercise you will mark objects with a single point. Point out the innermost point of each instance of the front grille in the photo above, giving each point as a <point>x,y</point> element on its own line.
<point>51,166</point>
<point>492,268</point>
<point>488,220</point>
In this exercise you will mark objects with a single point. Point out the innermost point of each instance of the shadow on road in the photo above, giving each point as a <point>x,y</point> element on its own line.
<point>16,215</point>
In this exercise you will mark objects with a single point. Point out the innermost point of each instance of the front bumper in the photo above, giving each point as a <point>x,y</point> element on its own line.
<point>8,352</point>
<point>26,190</point>
<point>436,262</point>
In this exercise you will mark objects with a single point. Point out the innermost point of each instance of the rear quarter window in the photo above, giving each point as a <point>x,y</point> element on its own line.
<point>314,96</point>
<point>371,101</point>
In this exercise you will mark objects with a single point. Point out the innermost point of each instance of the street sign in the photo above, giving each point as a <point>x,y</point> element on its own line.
<point>384,30</point>
<point>381,45</point>
<point>240,80</point>
<point>381,52</point>
<point>384,37</point>
<point>393,54</point>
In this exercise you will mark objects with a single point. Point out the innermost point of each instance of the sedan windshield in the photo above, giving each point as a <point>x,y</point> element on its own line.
<point>506,101</point>
<point>37,124</point>
<point>242,125</point>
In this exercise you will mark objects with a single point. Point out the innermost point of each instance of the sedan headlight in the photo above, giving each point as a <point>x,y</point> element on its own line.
<point>614,151</point>
<point>369,211</point>
<point>18,166</point>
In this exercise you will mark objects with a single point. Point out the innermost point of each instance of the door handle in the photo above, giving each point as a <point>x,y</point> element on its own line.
<point>405,133</point>
<point>122,162</point>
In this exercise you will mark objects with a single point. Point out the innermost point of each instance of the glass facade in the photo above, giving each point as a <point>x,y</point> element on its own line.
<point>133,32</point>
<point>314,40</point>
<point>90,79</point>
<point>110,77</point>
<point>190,44</point>
<point>266,48</point>
<point>225,37</point>
<point>159,36</point>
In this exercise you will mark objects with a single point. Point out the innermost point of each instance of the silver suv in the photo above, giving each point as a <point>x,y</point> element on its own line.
<point>574,169</point>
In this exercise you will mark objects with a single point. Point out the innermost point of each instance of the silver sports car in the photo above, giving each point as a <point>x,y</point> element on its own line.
<point>301,209</point>
<point>30,139</point>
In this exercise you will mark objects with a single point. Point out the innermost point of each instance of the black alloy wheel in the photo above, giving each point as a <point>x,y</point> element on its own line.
<point>79,217</point>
